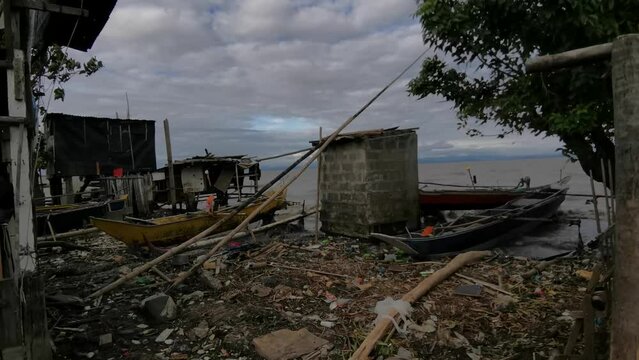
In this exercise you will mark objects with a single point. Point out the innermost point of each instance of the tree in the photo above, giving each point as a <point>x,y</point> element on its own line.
<point>55,65</point>
<point>478,64</point>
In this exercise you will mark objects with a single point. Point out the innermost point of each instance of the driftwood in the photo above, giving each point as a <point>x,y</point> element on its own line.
<point>420,290</point>
<point>486,284</point>
<point>308,270</point>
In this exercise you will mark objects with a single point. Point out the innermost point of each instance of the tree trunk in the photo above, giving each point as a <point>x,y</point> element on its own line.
<point>624,343</point>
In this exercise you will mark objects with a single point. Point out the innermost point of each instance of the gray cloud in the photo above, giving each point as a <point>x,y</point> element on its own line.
<point>260,76</point>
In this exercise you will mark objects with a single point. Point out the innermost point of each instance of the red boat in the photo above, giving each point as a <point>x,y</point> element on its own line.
<point>477,198</point>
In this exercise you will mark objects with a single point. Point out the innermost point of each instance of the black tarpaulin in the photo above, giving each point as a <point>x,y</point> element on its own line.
<point>81,146</point>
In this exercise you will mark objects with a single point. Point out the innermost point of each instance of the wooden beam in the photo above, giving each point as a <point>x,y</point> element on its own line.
<point>569,58</point>
<point>12,120</point>
<point>47,6</point>
<point>169,160</point>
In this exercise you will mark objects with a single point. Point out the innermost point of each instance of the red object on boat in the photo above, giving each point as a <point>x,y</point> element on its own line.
<point>118,172</point>
<point>428,230</point>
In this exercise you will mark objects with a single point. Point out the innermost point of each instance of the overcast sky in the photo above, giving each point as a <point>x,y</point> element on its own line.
<point>260,77</point>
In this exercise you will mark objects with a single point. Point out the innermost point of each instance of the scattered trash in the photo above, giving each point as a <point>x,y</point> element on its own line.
<point>287,344</point>
<point>164,335</point>
<point>261,290</point>
<point>105,339</point>
<point>160,307</point>
<point>468,290</point>
<point>503,302</point>
<point>585,274</point>
<point>328,324</point>
<point>403,308</point>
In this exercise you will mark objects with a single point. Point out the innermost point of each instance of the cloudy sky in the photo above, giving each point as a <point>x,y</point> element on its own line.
<point>260,77</point>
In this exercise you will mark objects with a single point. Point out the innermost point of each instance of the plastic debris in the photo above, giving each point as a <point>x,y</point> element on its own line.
<point>403,308</point>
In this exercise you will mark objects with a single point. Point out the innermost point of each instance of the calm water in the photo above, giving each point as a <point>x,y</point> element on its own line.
<point>547,240</point>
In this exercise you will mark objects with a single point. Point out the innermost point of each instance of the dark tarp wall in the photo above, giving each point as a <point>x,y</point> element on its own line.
<point>77,143</point>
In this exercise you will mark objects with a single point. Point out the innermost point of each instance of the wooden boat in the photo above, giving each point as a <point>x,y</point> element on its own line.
<point>65,218</point>
<point>474,199</point>
<point>178,228</point>
<point>483,229</point>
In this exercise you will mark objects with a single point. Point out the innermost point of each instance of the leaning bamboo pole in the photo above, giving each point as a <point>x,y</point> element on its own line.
<point>385,324</point>
<point>323,145</point>
<point>144,267</point>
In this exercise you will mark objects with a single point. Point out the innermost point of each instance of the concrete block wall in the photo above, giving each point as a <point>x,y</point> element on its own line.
<point>369,184</point>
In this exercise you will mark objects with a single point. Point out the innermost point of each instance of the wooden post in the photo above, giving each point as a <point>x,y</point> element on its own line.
<point>169,159</point>
<point>624,344</point>
<point>317,202</point>
<point>594,203</point>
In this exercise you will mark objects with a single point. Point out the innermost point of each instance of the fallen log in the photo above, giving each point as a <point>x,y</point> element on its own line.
<point>384,325</point>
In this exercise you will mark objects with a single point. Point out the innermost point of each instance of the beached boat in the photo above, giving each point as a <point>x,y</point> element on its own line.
<point>178,228</point>
<point>63,218</point>
<point>474,198</point>
<point>483,229</point>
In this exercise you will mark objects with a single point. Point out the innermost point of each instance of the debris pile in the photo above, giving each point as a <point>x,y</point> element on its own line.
<point>289,296</point>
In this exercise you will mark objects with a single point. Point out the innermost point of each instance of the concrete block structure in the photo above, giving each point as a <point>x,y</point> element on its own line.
<point>368,183</point>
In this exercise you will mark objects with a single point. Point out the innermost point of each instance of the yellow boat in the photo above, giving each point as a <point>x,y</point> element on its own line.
<point>179,228</point>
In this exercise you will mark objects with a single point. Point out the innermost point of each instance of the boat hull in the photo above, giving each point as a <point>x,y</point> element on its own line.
<point>178,228</point>
<point>486,235</point>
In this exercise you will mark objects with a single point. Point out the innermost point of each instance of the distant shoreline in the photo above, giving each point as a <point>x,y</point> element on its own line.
<point>456,159</point>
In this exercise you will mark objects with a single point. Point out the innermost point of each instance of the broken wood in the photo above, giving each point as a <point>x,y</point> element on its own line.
<point>161,274</point>
<point>541,266</point>
<point>420,290</point>
<point>62,244</point>
<point>309,270</point>
<point>486,284</point>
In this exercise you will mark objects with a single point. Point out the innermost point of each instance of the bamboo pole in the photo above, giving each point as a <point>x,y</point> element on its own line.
<point>594,203</point>
<point>323,145</point>
<point>319,179</point>
<point>169,160</point>
<point>208,242</point>
<point>569,58</point>
<point>135,272</point>
<point>420,290</point>
<point>69,234</point>
<point>605,186</point>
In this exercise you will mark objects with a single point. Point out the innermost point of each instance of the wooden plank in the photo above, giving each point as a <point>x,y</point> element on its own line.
<point>12,120</point>
<point>569,58</point>
<point>47,6</point>
<point>10,334</point>
<point>36,334</point>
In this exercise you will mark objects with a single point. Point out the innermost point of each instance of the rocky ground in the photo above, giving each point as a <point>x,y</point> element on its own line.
<point>329,287</point>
